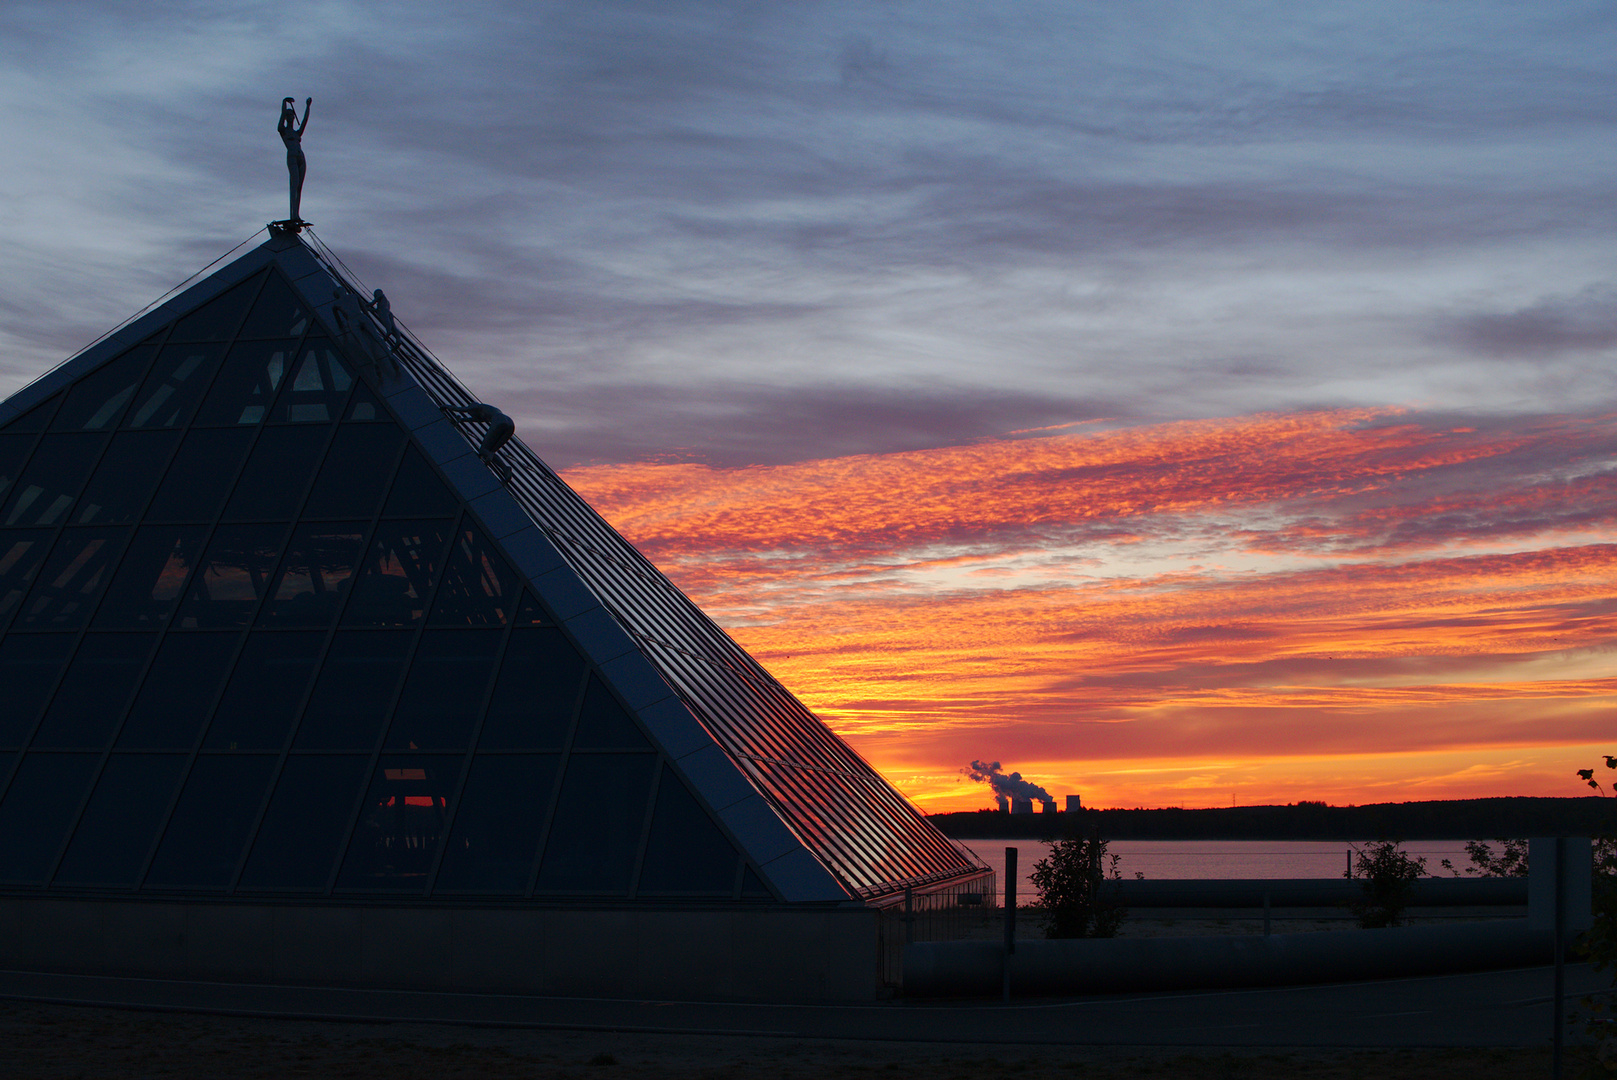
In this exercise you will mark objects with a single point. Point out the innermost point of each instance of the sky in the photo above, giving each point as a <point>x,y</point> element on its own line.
<point>1180,404</point>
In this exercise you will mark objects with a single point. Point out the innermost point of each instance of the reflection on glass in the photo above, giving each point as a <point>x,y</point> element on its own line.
<point>125,478</point>
<point>98,400</point>
<point>55,475</point>
<point>71,581</point>
<point>417,491</point>
<point>177,381</point>
<point>398,574</point>
<point>478,589</point>
<point>317,389</point>
<point>14,450</point>
<point>364,406</point>
<point>277,313</point>
<point>201,475</point>
<point>497,824</point>
<point>34,419</point>
<point>233,576</point>
<point>218,319</point>
<point>314,575</point>
<point>402,823</point>
<point>20,556</point>
<point>244,390</point>
<point>150,577</point>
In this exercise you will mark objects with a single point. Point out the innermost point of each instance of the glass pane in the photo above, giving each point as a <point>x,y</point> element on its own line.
<point>177,382</point>
<point>753,887</point>
<point>178,692</point>
<point>599,821</point>
<point>603,725</point>
<point>233,576</point>
<point>417,491</point>
<point>278,313</point>
<point>356,473</point>
<point>478,589</point>
<point>71,581</point>
<point>317,390</point>
<point>314,575</point>
<point>29,665</point>
<point>497,824</point>
<point>201,475</point>
<point>245,388</point>
<point>14,451</point>
<point>397,576</point>
<point>95,691</point>
<point>364,406</point>
<point>39,809</point>
<point>55,475</point>
<point>205,838</point>
<point>536,694</point>
<point>277,474</point>
<point>354,693</point>
<point>265,692</point>
<point>686,852</point>
<point>529,613</point>
<point>307,819</point>
<point>218,319</point>
<point>125,478</point>
<point>20,556</point>
<point>150,577</point>
<point>98,400</point>
<point>443,695</point>
<point>36,418</point>
<point>402,823</point>
<point>120,823</point>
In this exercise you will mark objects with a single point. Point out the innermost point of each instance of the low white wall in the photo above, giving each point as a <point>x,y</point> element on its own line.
<point>735,954</point>
<point>1122,965</point>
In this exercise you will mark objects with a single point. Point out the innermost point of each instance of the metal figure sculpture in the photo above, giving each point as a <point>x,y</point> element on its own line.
<point>500,428</point>
<point>297,166</point>
<point>353,327</point>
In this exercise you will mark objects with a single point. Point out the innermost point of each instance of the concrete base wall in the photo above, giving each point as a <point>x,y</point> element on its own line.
<point>738,954</point>
<point>1121,965</point>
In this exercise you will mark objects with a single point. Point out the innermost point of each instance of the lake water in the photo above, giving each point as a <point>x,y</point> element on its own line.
<point>1217,858</point>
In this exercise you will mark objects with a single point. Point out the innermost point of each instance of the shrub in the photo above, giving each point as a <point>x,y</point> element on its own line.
<point>1070,882</point>
<point>1389,875</point>
<point>1510,862</point>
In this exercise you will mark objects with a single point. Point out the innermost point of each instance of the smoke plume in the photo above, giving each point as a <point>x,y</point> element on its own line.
<point>1006,785</point>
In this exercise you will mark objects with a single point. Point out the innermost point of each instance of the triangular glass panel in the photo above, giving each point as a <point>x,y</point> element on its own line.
<point>39,808</point>
<point>150,577</point>
<point>95,691</point>
<point>266,691</point>
<point>444,692</point>
<point>98,400</point>
<point>358,467</point>
<point>529,613</point>
<point>478,587</point>
<point>599,825</point>
<point>753,887</point>
<point>402,823</point>
<point>536,694</point>
<point>21,554</point>
<point>233,576</point>
<point>602,723</point>
<point>178,692</point>
<point>686,854</point>
<point>67,588</point>
<point>277,474</point>
<point>218,319</point>
<point>212,822</point>
<point>398,574</point>
<point>53,479</point>
<point>277,313</point>
<point>498,824</point>
<point>125,478</point>
<point>314,575</point>
<point>29,667</point>
<point>318,388</point>
<point>245,389</point>
<point>417,491</point>
<point>363,406</point>
<point>119,826</point>
<point>353,697</point>
<point>14,451</point>
<point>34,419</point>
<point>179,378</point>
<point>307,819</point>
<point>201,475</point>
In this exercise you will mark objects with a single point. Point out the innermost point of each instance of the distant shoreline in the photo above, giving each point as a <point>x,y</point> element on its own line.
<point>1449,819</point>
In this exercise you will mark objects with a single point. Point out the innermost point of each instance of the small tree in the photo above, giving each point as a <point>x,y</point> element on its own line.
<point>1510,862</point>
<point>1599,943</point>
<point>1070,882</point>
<point>1389,875</point>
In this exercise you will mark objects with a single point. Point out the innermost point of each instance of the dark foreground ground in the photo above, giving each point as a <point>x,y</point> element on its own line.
<point>72,1041</point>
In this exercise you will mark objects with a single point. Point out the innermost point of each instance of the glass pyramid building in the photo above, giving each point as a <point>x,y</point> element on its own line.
<point>271,628</point>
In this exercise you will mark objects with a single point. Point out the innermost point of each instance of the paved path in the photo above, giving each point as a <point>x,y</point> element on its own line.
<point>1502,1008</point>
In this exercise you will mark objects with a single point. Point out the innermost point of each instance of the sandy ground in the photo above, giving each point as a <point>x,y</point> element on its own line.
<point>56,1041</point>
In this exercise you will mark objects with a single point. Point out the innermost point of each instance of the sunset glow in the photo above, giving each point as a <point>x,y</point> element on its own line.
<point>1357,605</point>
